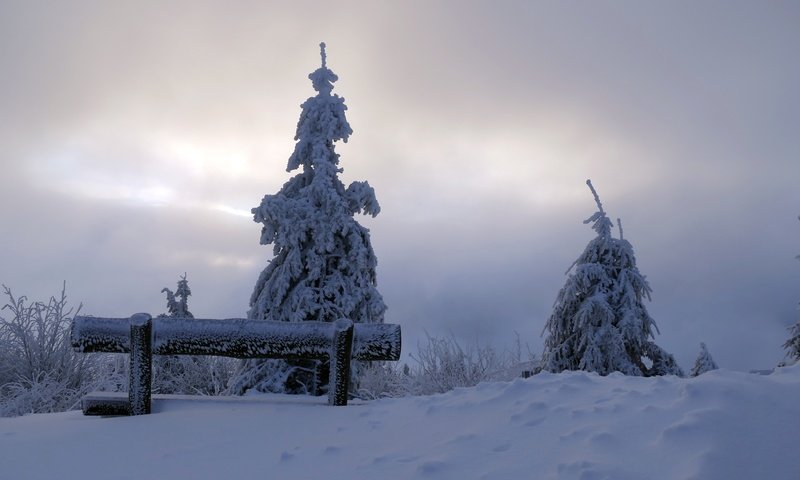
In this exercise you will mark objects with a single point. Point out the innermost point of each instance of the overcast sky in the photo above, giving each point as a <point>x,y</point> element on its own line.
<point>135,138</point>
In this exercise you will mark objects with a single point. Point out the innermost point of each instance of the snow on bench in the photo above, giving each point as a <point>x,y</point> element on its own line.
<point>143,336</point>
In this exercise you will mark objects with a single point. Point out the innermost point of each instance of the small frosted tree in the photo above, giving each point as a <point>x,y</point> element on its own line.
<point>704,363</point>
<point>184,374</point>
<point>324,266</point>
<point>169,372</point>
<point>599,321</point>
<point>177,302</point>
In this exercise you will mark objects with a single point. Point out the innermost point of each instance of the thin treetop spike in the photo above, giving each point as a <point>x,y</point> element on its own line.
<point>322,54</point>
<point>596,197</point>
<point>619,224</point>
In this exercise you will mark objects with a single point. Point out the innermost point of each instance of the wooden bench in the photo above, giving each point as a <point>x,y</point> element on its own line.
<point>143,336</point>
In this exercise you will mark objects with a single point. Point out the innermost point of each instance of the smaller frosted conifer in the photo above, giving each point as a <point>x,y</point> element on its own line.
<point>177,302</point>
<point>599,321</point>
<point>792,345</point>
<point>704,363</point>
<point>170,370</point>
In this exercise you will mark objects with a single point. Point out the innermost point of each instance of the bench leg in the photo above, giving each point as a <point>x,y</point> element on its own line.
<point>141,367</point>
<point>340,362</point>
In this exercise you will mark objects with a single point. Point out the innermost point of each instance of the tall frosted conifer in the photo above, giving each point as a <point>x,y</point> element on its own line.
<point>324,266</point>
<point>599,321</point>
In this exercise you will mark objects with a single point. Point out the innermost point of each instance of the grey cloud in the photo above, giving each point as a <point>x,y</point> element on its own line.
<point>476,123</point>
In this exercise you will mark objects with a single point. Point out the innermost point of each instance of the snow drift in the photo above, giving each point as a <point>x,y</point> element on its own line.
<point>720,425</point>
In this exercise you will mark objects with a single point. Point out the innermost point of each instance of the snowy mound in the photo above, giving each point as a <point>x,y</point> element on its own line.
<point>720,425</point>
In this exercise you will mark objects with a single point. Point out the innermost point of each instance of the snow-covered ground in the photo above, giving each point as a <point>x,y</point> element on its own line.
<point>721,425</point>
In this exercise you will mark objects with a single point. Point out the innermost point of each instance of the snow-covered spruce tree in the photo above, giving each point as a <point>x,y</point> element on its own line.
<point>183,374</point>
<point>177,302</point>
<point>324,266</point>
<point>792,345</point>
<point>169,372</point>
<point>704,363</point>
<point>599,321</point>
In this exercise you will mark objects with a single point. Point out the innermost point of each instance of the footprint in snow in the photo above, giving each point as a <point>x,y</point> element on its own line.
<point>534,422</point>
<point>603,439</point>
<point>434,467</point>
<point>286,456</point>
<point>463,438</point>
<point>533,409</point>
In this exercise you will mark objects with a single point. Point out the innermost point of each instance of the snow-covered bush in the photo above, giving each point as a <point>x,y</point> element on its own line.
<point>442,364</point>
<point>599,321</point>
<point>324,266</point>
<point>704,362</point>
<point>39,371</point>
<point>192,375</point>
<point>385,379</point>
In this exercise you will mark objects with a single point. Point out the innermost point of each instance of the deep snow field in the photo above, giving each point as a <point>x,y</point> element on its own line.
<point>721,425</point>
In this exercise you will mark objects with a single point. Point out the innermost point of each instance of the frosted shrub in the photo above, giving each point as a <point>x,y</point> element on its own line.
<point>109,372</point>
<point>43,394</point>
<point>385,379</point>
<point>193,375</point>
<point>442,364</point>
<point>39,371</point>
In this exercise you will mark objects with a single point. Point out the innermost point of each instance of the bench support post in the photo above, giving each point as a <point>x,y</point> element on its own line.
<point>141,366</point>
<point>340,361</point>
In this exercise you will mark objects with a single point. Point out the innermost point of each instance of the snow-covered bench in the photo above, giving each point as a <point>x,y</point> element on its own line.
<point>143,336</point>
